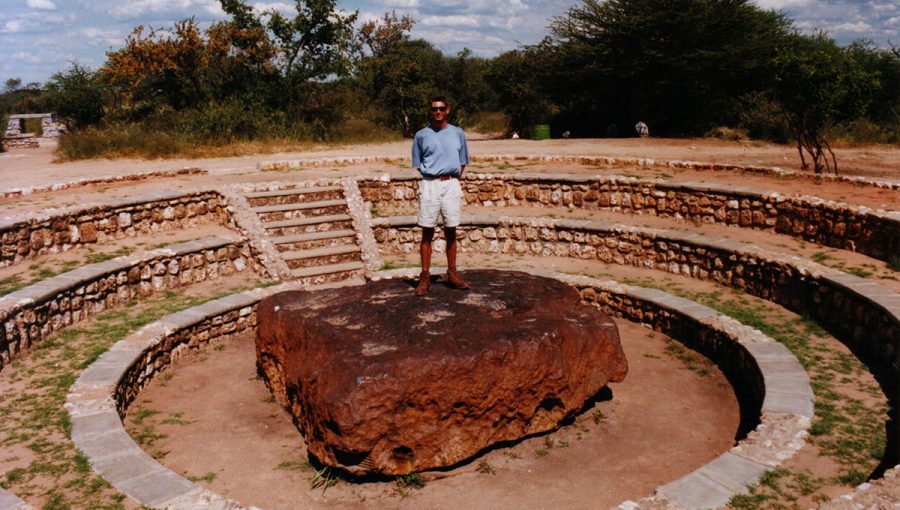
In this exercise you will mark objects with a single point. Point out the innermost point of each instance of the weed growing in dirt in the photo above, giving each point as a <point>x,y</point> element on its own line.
<point>294,465</point>
<point>407,483</point>
<point>485,468</point>
<point>207,477</point>
<point>324,478</point>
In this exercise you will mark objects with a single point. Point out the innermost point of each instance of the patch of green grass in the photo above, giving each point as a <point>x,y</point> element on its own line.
<point>294,465</point>
<point>207,477</point>
<point>82,465</point>
<point>404,485</point>
<point>11,284</point>
<point>176,419</point>
<point>93,258</point>
<point>858,271</point>
<point>691,361</point>
<point>139,415</point>
<point>147,435</point>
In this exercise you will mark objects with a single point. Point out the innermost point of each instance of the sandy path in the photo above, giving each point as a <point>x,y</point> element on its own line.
<point>34,167</point>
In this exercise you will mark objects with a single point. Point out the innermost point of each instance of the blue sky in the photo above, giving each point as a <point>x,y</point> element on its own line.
<point>40,37</point>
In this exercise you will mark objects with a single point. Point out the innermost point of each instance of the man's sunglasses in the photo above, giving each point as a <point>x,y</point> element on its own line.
<point>439,108</point>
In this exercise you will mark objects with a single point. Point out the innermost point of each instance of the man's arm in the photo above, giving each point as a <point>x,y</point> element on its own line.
<point>416,153</point>
<point>463,153</point>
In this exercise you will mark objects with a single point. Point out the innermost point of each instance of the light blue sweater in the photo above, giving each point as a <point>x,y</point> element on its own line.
<point>439,152</point>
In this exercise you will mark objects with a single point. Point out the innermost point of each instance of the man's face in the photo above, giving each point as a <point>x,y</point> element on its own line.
<point>439,111</point>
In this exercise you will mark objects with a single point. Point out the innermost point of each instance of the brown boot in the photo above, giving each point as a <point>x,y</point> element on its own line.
<point>424,283</point>
<point>455,281</point>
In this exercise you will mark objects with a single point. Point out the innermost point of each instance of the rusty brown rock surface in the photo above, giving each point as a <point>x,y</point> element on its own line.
<point>381,381</point>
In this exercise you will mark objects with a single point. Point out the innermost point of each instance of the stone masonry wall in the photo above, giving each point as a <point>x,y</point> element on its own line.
<point>735,362</point>
<point>827,294</point>
<point>35,312</point>
<point>874,233</point>
<point>59,231</point>
<point>862,314</point>
<point>174,346</point>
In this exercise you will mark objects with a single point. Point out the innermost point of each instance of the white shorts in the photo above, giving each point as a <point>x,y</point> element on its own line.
<point>439,198</point>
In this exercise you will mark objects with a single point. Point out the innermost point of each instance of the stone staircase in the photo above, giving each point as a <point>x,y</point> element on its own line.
<point>312,232</point>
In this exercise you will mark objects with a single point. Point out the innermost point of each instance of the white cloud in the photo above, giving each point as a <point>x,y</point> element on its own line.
<point>781,4</point>
<point>282,7</point>
<point>401,4</point>
<point>13,26</point>
<point>46,5</point>
<point>139,8</point>
<point>858,27</point>
<point>449,21</point>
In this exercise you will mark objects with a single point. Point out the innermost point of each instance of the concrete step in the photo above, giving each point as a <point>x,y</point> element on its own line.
<point>286,192</point>
<point>303,272</point>
<point>312,236</point>
<point>318,204</point>
<point>299,222</point>
<point>320,252</point>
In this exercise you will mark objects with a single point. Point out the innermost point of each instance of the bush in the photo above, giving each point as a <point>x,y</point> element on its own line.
<point>119,141</point>
<point>862,132</point>
<point>489,122</point>
<point>727,133</point>
<point>763,119</point>
<point>362,131</point>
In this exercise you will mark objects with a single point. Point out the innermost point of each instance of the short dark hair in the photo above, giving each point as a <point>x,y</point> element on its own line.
<point>439,99</point>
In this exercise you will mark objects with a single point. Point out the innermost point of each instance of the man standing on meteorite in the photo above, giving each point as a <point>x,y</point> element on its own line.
<point>440,154</point>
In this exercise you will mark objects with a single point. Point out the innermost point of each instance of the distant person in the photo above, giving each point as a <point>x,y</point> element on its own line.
<point>440,154</point>
<point>567,134</point>
<point>515,135</point>
<point>642,130</point>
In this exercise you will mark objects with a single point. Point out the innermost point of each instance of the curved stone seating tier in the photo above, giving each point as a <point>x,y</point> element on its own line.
<point>34,312</point>
<point>586,160</point>
<point>872,232</point>
<point>862,314</point>
<point>55,231</point>
<point>17,192</point>
<point>9,501</point>
<point>773,388</point>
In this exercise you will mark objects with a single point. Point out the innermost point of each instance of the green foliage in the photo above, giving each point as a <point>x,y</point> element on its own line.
<point>685,67</point>
<point>76,96</point>
<point>518,80</point>
<point>817,84</point>
<point>679,65</point>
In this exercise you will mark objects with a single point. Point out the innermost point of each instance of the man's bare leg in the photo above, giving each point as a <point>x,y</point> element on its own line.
<point>452,277</point>
<point>425,256</point>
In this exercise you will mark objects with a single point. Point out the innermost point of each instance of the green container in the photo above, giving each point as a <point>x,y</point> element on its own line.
<point>540,132</point>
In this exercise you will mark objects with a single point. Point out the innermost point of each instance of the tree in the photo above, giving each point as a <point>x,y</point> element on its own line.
<point>400,74</point>
<point>76,95</point>
<point>817,84</point>
<point>518,78</point>
<point>161,66</point>
<point>677,64</point>
<point>12,85</point>
<point>316,43</point>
